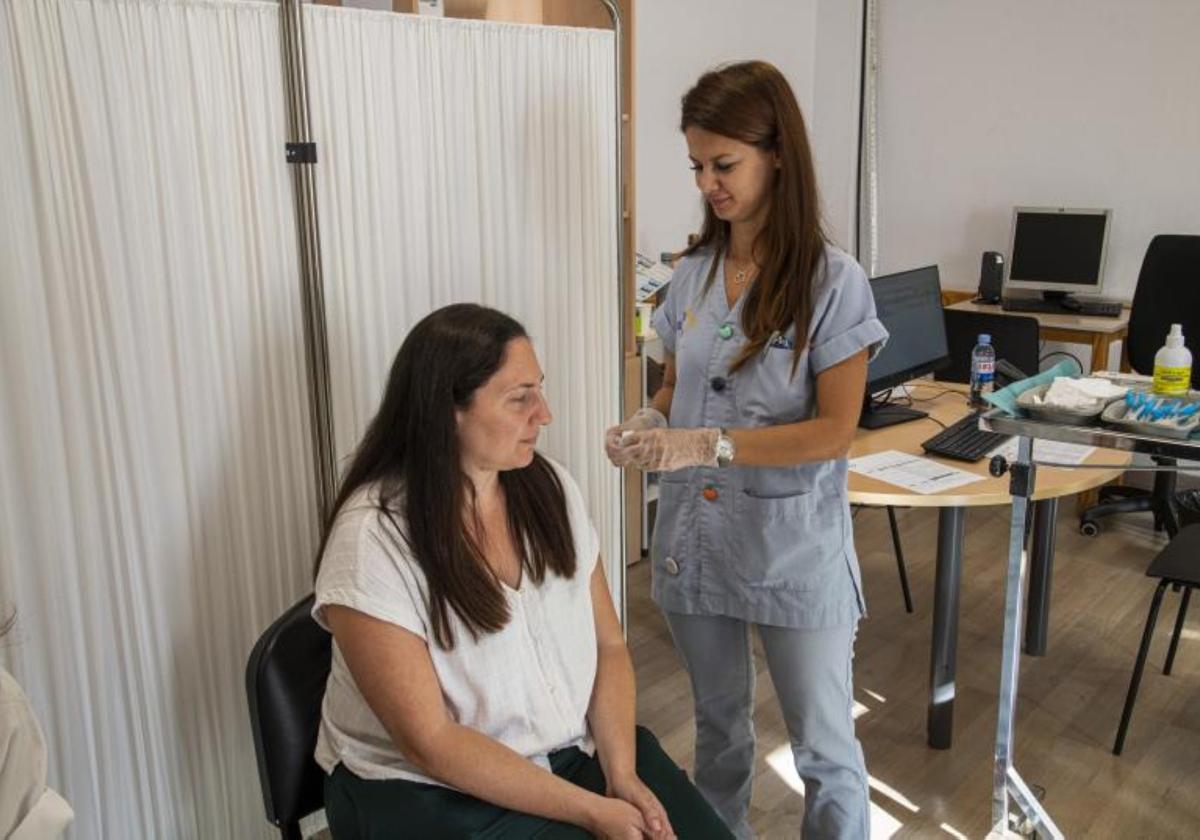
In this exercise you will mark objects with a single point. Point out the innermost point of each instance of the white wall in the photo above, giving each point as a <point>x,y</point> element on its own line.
<point>987,105</point>
<point>677,40</point>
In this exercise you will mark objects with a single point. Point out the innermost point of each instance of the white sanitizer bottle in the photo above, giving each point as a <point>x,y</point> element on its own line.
<point>1173,365</point>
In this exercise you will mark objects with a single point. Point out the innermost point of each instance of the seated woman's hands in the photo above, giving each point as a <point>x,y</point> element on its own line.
<point>632,812</point>
<point>615,819</point>
<point>615,438</point>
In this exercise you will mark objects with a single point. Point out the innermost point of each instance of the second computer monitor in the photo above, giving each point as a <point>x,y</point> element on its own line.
<point>909,304</point>
<point>1057,249</point>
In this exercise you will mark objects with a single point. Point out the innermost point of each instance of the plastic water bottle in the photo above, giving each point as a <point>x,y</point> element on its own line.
<point>983,369</point>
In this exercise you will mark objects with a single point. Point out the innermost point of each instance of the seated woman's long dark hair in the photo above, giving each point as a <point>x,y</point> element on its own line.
<point>411,449</point>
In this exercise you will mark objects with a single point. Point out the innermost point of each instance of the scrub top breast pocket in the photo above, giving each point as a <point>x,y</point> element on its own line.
<point>768,392</point>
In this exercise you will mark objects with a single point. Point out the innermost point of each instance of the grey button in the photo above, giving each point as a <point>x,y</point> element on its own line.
<point>672,566</point>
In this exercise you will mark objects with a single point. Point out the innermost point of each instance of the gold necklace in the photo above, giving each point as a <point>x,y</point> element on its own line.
<point>741,275</point>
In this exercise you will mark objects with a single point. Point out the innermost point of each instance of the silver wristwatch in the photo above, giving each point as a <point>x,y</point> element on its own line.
<point>725,449</point>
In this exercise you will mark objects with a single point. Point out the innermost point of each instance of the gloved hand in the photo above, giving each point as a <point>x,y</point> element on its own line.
<point>615,438</point>
<point>664,450</point>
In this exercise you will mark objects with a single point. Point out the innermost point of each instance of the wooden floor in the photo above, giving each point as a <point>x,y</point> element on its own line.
<point>1070,699</point>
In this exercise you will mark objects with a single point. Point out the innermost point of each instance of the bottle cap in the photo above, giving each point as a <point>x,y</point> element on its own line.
<point>1175,336</point>
<point>984,338</point>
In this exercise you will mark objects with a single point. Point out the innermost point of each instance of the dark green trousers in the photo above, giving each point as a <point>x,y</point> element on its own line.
<point>361,809</point>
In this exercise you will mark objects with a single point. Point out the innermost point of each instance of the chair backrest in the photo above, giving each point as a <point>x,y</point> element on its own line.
<point>1168,292</point>
<point>1015,338</point>
<point>285,684</point>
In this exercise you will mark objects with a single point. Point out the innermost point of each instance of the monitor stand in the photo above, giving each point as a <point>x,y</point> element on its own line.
<point>877,417</point>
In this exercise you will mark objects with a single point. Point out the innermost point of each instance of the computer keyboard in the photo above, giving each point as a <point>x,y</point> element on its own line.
<point>964,440</point>
<point>1103,308</point>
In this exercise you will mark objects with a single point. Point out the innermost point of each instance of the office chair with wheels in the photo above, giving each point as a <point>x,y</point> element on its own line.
<point>1168,292</point>
<point>285,684</point>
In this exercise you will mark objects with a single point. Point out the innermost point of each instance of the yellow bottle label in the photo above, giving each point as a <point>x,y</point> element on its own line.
<point>1172,380</point>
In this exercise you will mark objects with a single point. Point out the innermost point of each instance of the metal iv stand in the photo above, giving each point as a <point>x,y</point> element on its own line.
<point>1007,783</point>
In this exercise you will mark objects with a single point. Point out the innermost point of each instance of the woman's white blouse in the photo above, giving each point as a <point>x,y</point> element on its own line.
<point>28,809</point>
<point>528,686</point>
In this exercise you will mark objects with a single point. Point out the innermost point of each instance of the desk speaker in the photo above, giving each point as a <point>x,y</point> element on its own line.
<point>991,277</point>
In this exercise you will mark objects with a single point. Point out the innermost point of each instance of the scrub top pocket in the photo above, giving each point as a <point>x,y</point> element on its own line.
<point>773,533</point>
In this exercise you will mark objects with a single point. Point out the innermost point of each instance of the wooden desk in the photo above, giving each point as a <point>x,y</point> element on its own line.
<point>949,404</point>
<point>1095,331</point>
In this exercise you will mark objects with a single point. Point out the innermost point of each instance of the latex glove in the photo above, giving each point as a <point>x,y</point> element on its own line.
<point>664,450</point>
<point>615,438</point>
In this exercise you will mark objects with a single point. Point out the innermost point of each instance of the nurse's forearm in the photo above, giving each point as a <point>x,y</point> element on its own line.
<point>819,439</point>
<point>666,392</point>
<point>662,400</point>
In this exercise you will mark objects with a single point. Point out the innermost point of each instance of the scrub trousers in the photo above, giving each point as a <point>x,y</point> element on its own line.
<point>394,809</point>
<point>812,674</point>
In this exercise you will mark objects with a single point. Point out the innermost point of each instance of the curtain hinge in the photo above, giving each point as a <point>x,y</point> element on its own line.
<point>301,152</point>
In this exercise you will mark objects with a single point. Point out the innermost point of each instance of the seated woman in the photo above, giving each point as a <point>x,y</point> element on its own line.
<point>28,809</point>
<point>480,685</point>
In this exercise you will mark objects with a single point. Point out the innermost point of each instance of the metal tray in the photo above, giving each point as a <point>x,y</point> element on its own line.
<point>1117,414</point>
<point>1126,441</point>
<point>1059,414</point>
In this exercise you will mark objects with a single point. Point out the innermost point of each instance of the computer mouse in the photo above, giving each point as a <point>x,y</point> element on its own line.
<point>1070,304</point>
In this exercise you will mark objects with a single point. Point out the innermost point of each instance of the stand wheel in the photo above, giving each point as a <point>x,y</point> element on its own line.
<point>1089,529</point>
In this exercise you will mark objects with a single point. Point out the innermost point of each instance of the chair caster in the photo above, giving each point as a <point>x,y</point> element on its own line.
<point>1089,529</point>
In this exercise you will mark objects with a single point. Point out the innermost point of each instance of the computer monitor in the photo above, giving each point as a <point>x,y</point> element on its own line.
<point>909,304</point>
<point>1057,251</point>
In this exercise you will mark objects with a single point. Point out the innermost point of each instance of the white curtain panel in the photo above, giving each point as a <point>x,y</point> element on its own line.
<point>472,161</point>
<point>156,502</point>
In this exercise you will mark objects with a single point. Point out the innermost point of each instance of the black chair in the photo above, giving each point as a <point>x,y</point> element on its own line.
<point>1014,337</point>
<point>908,604</point>
<point>1178,566</point>
<point>285,684</point>
<point>1168,292</point>
<point>899,550</point>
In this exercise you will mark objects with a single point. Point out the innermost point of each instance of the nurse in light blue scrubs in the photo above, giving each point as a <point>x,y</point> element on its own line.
<point>767,328</point>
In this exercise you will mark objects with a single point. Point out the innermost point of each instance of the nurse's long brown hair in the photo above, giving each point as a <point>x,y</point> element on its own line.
<point>752,102</point>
